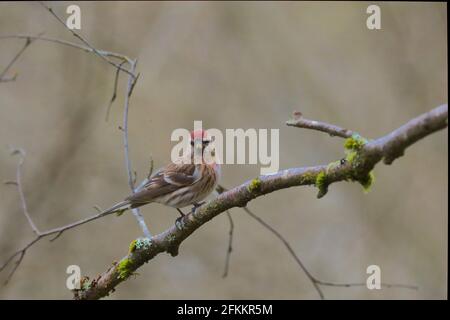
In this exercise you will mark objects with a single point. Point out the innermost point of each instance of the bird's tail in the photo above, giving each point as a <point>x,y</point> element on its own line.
<point>119,208</point>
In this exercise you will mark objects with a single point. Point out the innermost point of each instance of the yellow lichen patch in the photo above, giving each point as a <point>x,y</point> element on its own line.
<point>255,185</point>
<point>132,246</point>
<point>321,184</point>
<point>124,268</point>
<point>367,182</point>
<point>355,142</point>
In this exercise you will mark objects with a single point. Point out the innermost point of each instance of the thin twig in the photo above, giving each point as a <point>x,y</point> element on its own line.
<point>98,53</point>
<point>150,170</point>
<point>57,232</point>
<point>230,245</point>
<point>316,282</point>
<point>125,129</point>
<point>105,53</point>
<point>39,234</point>
<point>131,84</point>
<point>113,98</point>
<point>289,248</point>
<point>18,181</point>
<point>21,51</point>
<point>300,122</point>
<point>131,181</point>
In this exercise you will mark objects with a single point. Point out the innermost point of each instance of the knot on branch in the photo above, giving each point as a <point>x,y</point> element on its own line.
<point>389,157</point>
<point>173,250</point>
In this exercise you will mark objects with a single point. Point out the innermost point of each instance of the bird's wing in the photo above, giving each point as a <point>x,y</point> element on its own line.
<point>166,180</point>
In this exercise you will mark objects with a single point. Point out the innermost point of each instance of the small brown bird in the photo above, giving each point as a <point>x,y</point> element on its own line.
<point>180,183</point>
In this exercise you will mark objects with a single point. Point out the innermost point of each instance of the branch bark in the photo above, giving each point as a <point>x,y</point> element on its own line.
<point>366,156</point>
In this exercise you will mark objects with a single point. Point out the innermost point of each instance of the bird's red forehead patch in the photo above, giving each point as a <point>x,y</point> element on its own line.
<point>199,134</point>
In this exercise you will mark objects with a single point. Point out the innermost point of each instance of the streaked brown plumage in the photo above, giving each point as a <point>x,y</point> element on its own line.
<point>177,184</point>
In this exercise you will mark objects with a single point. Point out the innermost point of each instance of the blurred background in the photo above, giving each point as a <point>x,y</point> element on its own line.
<point>232,65</point>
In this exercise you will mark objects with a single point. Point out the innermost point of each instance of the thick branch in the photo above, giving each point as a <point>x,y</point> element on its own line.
<point>388,147</point>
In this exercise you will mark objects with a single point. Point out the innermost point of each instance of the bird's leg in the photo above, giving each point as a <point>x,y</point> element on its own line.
<point>178,220</point>
<point>181,212</point>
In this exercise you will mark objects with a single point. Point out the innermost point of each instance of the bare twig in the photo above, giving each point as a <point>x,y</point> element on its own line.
<point>105,53</point>
<point>169,241</point>
<point>18,54</point>
<point>150,170</point>
<point>23,202</point>
<point>300,122</point>
<point>316,282</point>
<point>93,49</point>
<point>230,245</point>
<point>131,83</point>
<point>113,98</point>
<point>57,232</point>
<point>131,181</point>
<point>289,248</point>
<point>221,189</point>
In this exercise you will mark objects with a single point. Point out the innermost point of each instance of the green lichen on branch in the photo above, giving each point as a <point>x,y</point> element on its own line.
<point>132,246</point>
<point>254,186</point>
<point>85,284</point>
<point>367,181</point>
<point>321,184</point>
<point>355,142</point>
<point>141,243</point>
<point>351,156</point>
<point>353,146</point>
<point>124,268</point>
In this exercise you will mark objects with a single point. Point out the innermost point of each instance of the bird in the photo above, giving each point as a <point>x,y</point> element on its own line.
<point>181,183</point>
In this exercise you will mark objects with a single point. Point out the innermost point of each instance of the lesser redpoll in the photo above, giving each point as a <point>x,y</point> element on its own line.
<point>181,183</point>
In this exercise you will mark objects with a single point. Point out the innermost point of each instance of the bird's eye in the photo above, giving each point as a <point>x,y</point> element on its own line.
<point>192,143</point>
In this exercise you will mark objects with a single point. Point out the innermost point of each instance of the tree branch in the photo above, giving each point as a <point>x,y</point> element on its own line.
<point>14,59</point>
<point>69,44</point>
<point>331,129</point>
<point>39,234</point>
<point>230,245</point>
<point>92,49</point>
<point>21,153</point>
<point>316,282</point>
<point>114,95</point>
<point>365,156</point>
<point>131,181</point>
<point>57,232</point>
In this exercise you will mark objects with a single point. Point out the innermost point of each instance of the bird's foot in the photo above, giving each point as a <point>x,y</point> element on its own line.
<point>197,205</point>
